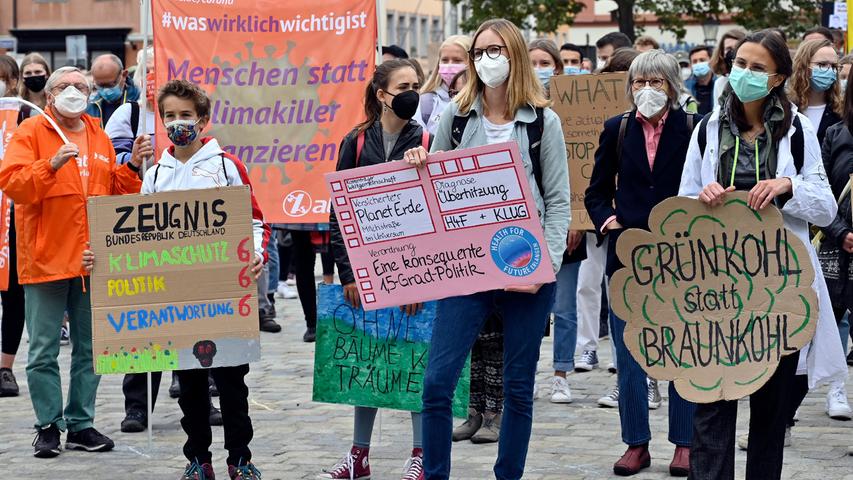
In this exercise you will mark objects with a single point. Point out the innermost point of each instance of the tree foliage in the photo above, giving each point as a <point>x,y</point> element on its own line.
<point>792,16</point>
<point>544,16</point>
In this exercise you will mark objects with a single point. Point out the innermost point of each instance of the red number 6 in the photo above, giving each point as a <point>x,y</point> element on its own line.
<point>244,279</point>
<point>242,253</point>
<point>245,309</point>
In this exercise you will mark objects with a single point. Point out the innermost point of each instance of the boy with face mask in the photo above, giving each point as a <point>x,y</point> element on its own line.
<point>50,178</point>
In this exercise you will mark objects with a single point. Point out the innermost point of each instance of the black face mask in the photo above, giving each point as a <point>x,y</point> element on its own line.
<point>729,59</point>
<point>405,104</point>
<point>36,83</point>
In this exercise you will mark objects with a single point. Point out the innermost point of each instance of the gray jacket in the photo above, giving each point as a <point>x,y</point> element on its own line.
<point>555,211</point>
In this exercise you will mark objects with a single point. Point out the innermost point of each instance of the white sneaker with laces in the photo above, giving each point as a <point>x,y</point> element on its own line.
<point>284,291</point>
<point>414,469</point>
<point>588,361</point>
<point>654,394</point>
<point>611,400</point>
<point>836,403</point>
<point>560,391</point>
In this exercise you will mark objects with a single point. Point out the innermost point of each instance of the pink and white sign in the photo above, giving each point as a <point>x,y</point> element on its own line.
<point>464,223</point>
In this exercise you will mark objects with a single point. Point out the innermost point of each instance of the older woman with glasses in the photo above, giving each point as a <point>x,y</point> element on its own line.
<point>653,138</point>
<point>50,178</point>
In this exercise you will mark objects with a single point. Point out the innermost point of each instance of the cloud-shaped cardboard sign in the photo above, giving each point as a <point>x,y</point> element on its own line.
<point>714,297</point>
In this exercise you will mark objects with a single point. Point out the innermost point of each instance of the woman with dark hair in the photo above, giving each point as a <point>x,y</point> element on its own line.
<point>814,86</point>
<point>654,137</point>
<point>750,147</point>
<point>390,101</point>
<point>621,60</point>
<point>722,58</point>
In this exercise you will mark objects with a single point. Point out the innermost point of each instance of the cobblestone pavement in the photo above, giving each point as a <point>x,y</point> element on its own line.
<point>295,437</point>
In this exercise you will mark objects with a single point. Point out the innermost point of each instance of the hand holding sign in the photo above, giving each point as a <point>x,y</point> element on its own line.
<point>713,297</point>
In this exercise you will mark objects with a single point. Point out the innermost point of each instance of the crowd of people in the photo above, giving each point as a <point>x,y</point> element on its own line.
<point>749,114</point>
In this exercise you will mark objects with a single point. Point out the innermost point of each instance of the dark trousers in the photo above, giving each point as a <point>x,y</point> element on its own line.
<point>304,258</point>
<point>136,391</point>
<point>233,401</point>
<point>12,323</point>
<point>712,456</point>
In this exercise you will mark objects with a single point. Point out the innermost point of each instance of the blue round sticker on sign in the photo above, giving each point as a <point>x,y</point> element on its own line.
<point>515,251</point>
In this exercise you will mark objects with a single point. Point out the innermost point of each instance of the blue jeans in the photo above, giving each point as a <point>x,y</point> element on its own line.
<point>273,264</point>
<point>458,321</point>
<point>634,400</point>
<point>566,317</point>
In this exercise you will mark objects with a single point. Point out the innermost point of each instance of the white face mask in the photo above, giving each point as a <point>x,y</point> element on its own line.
<point>600,63</point>
<point>71,102</point>
<point>649,101</point>
<point>2,88</point>
<point>492,71</point>
<point>686,73</point>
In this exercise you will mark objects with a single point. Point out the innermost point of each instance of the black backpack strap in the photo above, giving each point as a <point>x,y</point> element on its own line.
<point>798,144</point>
<point>534,139</point>
<point>703,134</point>
<point>691,121</point>
<point>623,125</point>
<point>224,171</point>
<point>134,118</point>
<point>457,129</point>
<point>156,172</point>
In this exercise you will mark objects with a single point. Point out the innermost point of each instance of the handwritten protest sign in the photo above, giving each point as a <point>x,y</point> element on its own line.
<point>8,124</point>
<point>463,224</point>
<point>714,297</point>
<point>583,103</point>
<point>172,287</point>
<point>376,358</point>
<point>286,81</point>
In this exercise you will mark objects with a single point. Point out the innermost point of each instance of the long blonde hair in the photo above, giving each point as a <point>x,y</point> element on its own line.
<point>523,88</point>
<point>799,86</point>
<point>434,82</point>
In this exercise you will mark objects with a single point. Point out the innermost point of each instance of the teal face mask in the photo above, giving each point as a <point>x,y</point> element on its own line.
<point>544,74</point>
<point>822,80</point>
<point>749,86</point>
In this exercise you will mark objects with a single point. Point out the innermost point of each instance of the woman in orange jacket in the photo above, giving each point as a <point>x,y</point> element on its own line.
<point>50,180</point>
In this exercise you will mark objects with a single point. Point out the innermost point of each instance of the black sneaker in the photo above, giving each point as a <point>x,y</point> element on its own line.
<point>211,386</point>
<point>64,337</point>
<point>134,422</point>
<point>175,387</point>
<point>268,324</point>
<point>8,384</point>
<point>89,440</point>
<point>215,416</point>
<point>46,442</point>
<point>310,335</point>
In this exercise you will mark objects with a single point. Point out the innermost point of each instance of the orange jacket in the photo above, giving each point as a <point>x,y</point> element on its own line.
<point>50,207</point>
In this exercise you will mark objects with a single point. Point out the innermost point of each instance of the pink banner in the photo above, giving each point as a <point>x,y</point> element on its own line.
<point>464,223</point>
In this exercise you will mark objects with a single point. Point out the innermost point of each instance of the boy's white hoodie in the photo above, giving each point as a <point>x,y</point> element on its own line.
<point>210,167</point>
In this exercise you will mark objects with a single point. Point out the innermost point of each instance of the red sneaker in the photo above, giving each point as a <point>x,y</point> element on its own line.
<point>354,466</point>
<point>414,469</point>
<point>680,466</point>
<point>634,460</point>
<point>196,471</point>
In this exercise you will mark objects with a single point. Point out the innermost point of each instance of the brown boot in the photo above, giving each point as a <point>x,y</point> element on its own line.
<point>490,432</point>
<point>469,427</point>
<point>634,460</point>
<point>680,465</point>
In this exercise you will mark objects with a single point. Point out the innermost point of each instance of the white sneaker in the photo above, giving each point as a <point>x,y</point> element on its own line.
<point>535,391</point>
<point>611,400</point>
<point>611,367</point>
<point>291,282</point>
<point>654,394</point>
<point>560,392</point>
<point>588,361</point>
<point>283,291</point>
<point>836,403</point>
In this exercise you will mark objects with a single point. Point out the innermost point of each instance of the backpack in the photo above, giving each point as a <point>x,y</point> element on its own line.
<point>624,124</point>
<point>798,144</point>
<point>534,138</point>
<point>359,144</point>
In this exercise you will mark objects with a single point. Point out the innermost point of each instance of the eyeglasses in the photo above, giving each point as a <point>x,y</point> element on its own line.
<point>84,89</point>
<point>656,83</point>
<point>825,66</point>
<point>492,51</point>
<point>109,85</point>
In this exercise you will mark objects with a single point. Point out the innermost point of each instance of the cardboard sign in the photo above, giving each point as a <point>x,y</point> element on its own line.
<point>8,124</point>
<point>286,81</point>
<point>714,297</point>
<point>464,223</point>
<point>172,287</point>
<point>376,358</point>
<point>583,103</point>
